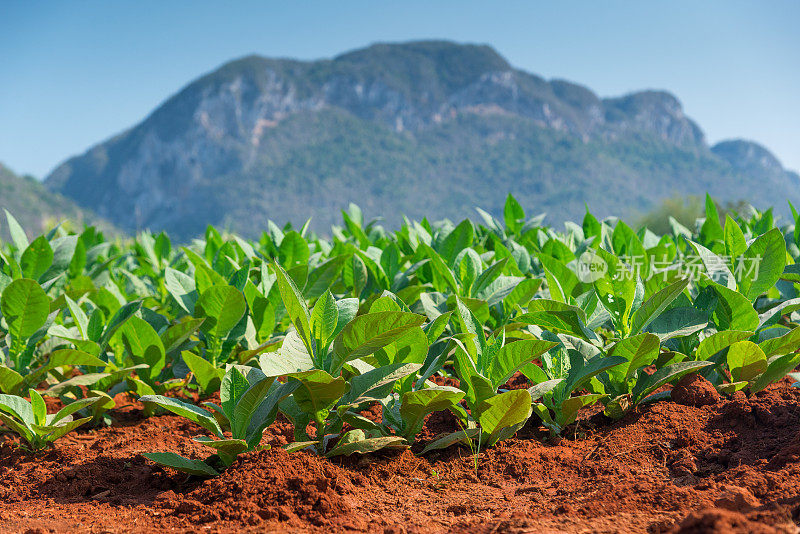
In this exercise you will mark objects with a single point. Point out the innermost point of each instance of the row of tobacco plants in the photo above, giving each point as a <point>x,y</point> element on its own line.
<point>318,329</point>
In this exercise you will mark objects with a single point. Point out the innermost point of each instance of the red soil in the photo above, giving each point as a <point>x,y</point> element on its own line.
<point>732,466</point>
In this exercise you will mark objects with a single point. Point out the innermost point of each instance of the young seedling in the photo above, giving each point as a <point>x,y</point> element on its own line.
<point>30,420</point>
<point>249,404</point>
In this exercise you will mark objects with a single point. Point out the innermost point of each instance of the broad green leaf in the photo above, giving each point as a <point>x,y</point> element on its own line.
<point>73,407</point>
<point>120,317</point>
<point>17,407</point>
<point>18,236</point>
<point>222,307</point>
<point>36,259</point>
<point>370,332</point>
<point>669,373</point>
<point>187,410</point>
<point>10,380</point>
<point>25,307</point>
<point>296,306</point>
<point>247,405</point>
<point>292,357</point>
<point>143,344</point>
<point>324,319</point>
<point>179,463</point>
<point>762,264</point>
<point>639,351</point>
<point>318,390</point>
<point>451,439</point>
<point>182,288</point>
<point>460,238</point>
<point>416,405</point>
<point>719,341</point>
<point>512,356</point>
<point>735,243</point>
<point>38,406</point>
<point>746,361</point>
<point>656,304</point>
<point>502,415</point>
<point>789,342</point>
<point>569,409</point>
<point>208,376</point>
<point>777,368</point>
<point>355,441</point>
<point>363,384</point>
<point>173,337</point>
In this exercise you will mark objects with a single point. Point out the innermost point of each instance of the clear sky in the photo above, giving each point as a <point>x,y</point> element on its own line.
<point>74,73</point>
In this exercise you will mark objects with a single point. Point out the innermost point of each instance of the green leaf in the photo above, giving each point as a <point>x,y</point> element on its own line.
<point>318,390</point>
<point>579,377</point>
<point>174,336</point>
<point>513,214</point>
<point>292,357</point>
<point>451,439</point>
<point>569,409</point>
<point>719,341</point>
<point>512,356</point>
<point>143,344</point>
<point>365,383</point>
<point>182,288</point>
<point>784,344</point>
<point>23,430</point>
<point>38,406</point>
<point>187,410</point>
<point>639,351</point>
<point>460,238</point>
<point>36,259</point>
<point>416,405</point>
<point>324,319</point>
<point>18,236</point>
<point>735,243</point>
<point>25,307</point>
<point>228,449</point>
<point>51,433</point>
<point>502,415</point>
<point>370,332</point>
<point>121,316</point>
<point>762,264</point>
<point>777,368</point>
<point>656,304</point>
<point>669,373</point>
<point>247,405</point>
<point>17,407</point>
<point>208,376</point>
<point>293,250</point>
<point>558,322</point>
<point>73,407</point>
<point>355,441</point>
<point>733,311</point>
<point>296,306</point>
<point>10,380</point>
<point>179,463</point>
<point>746,361</point>
<point>222,307</point>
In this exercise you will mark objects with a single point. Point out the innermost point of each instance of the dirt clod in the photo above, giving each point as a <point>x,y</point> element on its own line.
<point>694,390</point>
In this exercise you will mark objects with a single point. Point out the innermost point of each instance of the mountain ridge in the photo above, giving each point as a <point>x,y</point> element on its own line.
<point>399,127</point>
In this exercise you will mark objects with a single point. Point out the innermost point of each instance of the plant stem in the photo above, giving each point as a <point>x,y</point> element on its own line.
<point>319,422</point>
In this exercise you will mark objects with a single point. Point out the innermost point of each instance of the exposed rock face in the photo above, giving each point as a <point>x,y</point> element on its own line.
<point>415,128</point>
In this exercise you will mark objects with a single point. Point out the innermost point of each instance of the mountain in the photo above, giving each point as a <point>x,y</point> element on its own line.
<point>36,208</point>
<point>423,128</point>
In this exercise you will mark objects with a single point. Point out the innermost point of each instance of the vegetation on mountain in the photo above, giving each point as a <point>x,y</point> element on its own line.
<point>403,129</point>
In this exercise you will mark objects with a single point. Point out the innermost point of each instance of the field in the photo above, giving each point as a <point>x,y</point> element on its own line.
<point>501,376</point>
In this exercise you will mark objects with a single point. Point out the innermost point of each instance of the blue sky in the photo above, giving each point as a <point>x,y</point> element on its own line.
<point>74,73</point>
